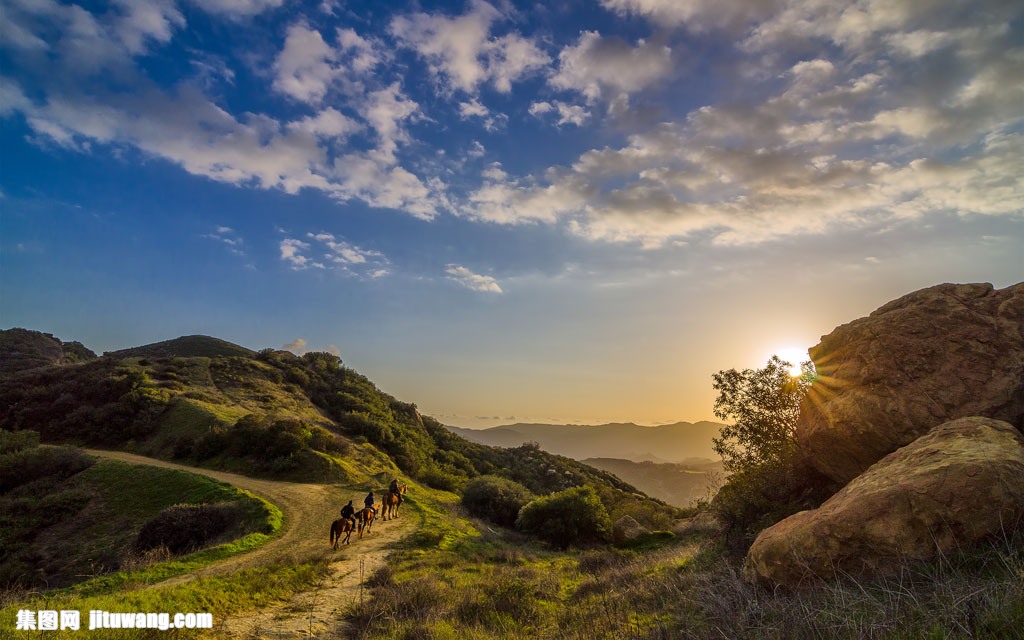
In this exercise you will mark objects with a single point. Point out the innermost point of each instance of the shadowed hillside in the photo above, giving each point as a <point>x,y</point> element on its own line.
<point>185,347</point>
<point>23,349</point>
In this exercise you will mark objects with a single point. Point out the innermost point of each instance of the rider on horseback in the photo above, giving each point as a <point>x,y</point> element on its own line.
<point>395,490</point>
<point>349,513</point>
<point>368,501</point>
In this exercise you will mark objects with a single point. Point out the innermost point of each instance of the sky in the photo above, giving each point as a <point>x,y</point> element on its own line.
<point>552,212</point>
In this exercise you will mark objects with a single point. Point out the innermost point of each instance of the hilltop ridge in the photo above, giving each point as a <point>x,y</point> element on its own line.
<point>194,346</point>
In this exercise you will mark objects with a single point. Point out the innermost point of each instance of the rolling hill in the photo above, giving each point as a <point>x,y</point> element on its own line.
<point>24,349</point>
<point>186,347</point>
<point>210,403</point>
<point>681,442</point>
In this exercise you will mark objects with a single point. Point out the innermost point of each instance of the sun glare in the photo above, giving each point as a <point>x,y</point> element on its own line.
<point>794,356</point>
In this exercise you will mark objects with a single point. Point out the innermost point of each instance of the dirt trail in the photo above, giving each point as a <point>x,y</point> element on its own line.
<point>308,510</point>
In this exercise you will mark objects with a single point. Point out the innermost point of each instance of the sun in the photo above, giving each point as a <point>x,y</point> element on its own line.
<point>794,356</point>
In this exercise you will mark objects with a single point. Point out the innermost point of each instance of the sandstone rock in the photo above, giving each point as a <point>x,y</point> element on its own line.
<point>931,356</point>
<point>948,490</point>
<point>627,529</point>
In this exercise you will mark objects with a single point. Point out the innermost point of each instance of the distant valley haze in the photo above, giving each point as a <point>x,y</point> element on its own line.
<point>681,442</point>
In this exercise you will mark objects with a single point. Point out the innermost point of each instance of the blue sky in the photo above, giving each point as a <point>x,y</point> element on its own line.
<point>505,211</point>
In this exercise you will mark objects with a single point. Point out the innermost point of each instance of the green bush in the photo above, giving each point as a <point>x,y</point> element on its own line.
<point>15,441</point>
<point>496,499</point>
<point>566,518</point>
<point>185,527</point>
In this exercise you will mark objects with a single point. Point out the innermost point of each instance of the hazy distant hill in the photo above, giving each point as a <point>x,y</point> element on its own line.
<point>24,349</point>
<point>677,484</point>
<point>677,443</point>
<point>186,347</point>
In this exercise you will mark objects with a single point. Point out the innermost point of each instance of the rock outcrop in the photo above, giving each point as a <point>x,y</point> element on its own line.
<point>627,529</point>
<point>949,489</point>
<point>933,355</point>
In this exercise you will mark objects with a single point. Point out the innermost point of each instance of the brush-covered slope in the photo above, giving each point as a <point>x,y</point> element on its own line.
<point>24,349</point>
<point>277,414</point>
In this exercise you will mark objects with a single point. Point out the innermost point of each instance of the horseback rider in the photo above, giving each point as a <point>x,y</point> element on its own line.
<point>348,512</point>
<point>395,490</point>
<point>368,501</point>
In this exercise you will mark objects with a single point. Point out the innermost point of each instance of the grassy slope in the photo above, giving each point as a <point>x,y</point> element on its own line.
<point>95,536</point>
<point>462,579</point>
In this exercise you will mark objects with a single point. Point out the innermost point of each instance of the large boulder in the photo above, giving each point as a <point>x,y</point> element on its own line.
<point>627,529</point>
<point>931,356</point>
<point>948,490</point>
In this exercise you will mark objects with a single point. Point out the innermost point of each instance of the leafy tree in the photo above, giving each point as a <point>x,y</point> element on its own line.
<point>769,478</point>
<point>764,405</point>
<point>495,498</point>
<point>566,518</point>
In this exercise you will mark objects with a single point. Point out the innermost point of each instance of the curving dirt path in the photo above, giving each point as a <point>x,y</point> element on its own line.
<point>308,510</point>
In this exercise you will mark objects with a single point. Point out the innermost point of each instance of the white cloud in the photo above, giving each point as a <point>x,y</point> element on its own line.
<point>461,52</point>
<point>304,69</point>
<point>477,150</point>
<point>699,15</point>
<point>329,123</point>
<point>386,110</point>
<point>539,108</point>
<point>597,66</point>
<point>472,281</point>
<point>291,252</point>
<point>297,346</point>
<point>345,253</point>
<point>472,108</point>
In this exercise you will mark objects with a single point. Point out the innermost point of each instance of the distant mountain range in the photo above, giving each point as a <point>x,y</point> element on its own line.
<point>681,442</point>
<point>677,484</point>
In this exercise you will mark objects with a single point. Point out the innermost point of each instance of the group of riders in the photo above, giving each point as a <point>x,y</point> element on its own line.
<point>348,512</point>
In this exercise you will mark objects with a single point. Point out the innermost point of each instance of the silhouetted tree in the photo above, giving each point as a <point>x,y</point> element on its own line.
<point>763,405</point>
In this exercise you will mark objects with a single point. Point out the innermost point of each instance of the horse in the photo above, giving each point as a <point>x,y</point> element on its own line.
<point>338,527</point>
<point>391,503</point>
<point>365,517</point>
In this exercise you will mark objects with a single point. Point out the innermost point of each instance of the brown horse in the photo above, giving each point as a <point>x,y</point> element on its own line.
<point>391,502</point>
<point>338,527</point>
<point>365,517</point>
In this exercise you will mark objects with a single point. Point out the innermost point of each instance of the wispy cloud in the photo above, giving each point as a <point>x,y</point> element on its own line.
<point>229,238</point>
<point>472,281</point>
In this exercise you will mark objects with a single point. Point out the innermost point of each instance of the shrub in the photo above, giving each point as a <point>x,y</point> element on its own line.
<point>15,441</point>
<point>496,499</point>
<point>566,518</point>
<point>184,527</point>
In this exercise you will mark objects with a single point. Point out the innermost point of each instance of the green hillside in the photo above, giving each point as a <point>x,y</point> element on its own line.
<point>64,517</point>
<point>276,414</point>
<point>23,349</point>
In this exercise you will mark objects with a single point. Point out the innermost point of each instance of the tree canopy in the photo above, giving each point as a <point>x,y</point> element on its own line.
<point>763,406</point>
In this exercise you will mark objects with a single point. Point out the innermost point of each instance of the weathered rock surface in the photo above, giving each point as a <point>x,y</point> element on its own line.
<point>949,489</point>
<point>933,355</point>
<point>626,529</point>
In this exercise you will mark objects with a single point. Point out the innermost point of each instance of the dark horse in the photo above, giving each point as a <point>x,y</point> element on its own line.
<point>391,503</point>
<point>365,518</point>
<point>338,527</point>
